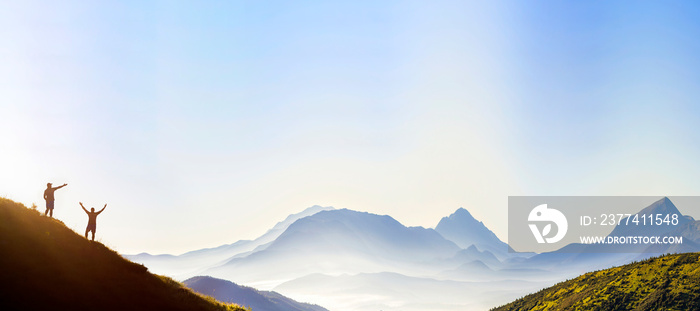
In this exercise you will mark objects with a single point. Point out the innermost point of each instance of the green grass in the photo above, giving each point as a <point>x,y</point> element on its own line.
<point>44,265</point>
<point>670,282</point>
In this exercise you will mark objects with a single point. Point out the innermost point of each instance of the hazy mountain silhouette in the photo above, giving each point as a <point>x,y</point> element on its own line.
<point>689,231</point>
<point>366,261</point>
<point>472,264</point>
<point>661,207</point>
<point>588,257</point>
<point>47,266</point>
<point>227,291</point>
<point>194,262</point>
<point>366,233</point>
<point>339,241</point>
<point>463,229</point>
<point>471,253</point>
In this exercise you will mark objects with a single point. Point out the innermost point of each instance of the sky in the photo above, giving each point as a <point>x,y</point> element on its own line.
<point>203,123</point>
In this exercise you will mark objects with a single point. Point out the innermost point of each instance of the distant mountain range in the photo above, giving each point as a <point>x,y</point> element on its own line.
<point>337,258</point>
<point>348,260</point>
<point>339,241</point>
<point>194,262</point>
<point>347,245</point>
<point>227,291</point>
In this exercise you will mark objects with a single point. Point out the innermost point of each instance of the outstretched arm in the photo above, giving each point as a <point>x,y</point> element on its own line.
<point>81,205</point>
<point>59,187</point>
<point>102,209</point>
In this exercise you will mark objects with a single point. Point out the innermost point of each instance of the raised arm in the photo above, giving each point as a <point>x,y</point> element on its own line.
<point>102,209</point>
<point>81,205</point>
<point>59,187</point>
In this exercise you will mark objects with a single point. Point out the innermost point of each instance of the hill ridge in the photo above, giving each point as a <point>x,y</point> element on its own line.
<point>51,267</point>
<point>258,300</point>
<point>668,282</point>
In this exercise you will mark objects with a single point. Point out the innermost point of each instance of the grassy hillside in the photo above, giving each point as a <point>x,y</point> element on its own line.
<point>228,291</point>
<point>669,282</point>
<point>46,266</point>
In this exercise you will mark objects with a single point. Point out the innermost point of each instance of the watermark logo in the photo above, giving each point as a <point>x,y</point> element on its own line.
<point>600,224</point>
<point>543,214</point>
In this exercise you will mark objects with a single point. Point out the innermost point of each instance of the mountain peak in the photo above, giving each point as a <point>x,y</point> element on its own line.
<point>662,206</point>
<point>460,215</point>
<point>282,225</point>
<point>318,208</point>
<point>463,229</point>
<point>462,212</point>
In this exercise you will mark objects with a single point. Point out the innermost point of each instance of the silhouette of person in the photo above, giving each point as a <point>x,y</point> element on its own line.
<point>48,196</point>
<point>92,220</point>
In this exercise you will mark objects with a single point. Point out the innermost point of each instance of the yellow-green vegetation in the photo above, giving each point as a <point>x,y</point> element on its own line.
<point>44,265</point>
<point>670,282</point>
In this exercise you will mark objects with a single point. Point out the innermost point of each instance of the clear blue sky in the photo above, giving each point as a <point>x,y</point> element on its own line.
<point>202,123</point>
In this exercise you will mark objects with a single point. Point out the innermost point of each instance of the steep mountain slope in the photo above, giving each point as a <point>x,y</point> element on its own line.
<point>46,266</point>
<point>192,263</point>
<point>227,291</point>
<point>463,229</point>
<point>663,283</point>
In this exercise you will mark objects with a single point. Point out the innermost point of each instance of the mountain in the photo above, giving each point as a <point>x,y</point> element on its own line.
<point>588,257</point>
<point>47,266</point>
<point>472,253</point>
<point>227,291</point>
<point>689,231</point>
<point>464,230</point>
<point>281,226</point>
<point>338,241</point>
<point>662,207</point>
<point>194,262</point>
<point>662,283</point>
<point>365,233</point>
<point>349,260</point>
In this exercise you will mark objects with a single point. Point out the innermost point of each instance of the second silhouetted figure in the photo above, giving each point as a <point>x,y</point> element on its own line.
<point>92,220</point>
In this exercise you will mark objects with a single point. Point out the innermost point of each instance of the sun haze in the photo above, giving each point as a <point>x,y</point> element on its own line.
<point>205,123</point>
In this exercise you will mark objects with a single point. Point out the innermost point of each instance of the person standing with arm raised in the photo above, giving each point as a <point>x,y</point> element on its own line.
<point>48,196</point>
<point>92,220</point>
